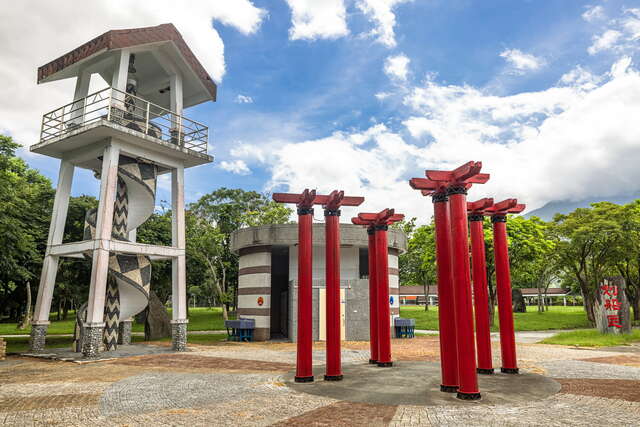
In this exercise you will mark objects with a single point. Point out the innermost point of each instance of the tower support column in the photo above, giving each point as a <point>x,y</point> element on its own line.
<point>332,259</point>
<point>49,272</point>
<point>480,294</point>
<point>503,288</point>
<point>446,300</point>
<point>304,356</point>
<point>384,313</point>
<point>100,258</point>
<point>179,264</point>
<point>373,297</point>
<point>467,376</point>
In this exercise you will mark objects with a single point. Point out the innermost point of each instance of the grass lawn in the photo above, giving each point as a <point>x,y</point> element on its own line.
<point>558,317</point>
<point>200,319</point>
<point>20,344</point>
<point>592,338</point>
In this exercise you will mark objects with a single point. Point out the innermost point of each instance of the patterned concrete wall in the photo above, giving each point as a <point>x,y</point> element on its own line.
<point>3,349</point>
<point>254,289</point>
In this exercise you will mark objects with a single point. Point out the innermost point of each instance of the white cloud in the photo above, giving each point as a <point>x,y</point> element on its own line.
<point>631,23</point>
<point>606,40</point>
<point>397,66</point>
<point>238,167</point>
<point>570,141</point>
<point>312,19</point>
<point>594,13</point>
<point>522,61</point>
<point>82,21</point>
<point>381,96</point>
<point>580,77</point>
<point>380,12</point>
<point>243,99</point>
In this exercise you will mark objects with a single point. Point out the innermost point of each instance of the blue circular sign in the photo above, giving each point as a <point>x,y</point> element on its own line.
<point>391,300</point>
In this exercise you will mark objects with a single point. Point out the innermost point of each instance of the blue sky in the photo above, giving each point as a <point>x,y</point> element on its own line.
<point>364,94</point>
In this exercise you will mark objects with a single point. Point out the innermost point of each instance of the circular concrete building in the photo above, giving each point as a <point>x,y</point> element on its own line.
<point>268,273</point>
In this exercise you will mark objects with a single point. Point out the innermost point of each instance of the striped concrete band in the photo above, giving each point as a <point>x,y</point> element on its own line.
<point>255,270</point>
<point>266,290</point>
<point>254,250</point>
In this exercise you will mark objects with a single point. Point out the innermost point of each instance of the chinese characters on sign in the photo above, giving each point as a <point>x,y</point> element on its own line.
<point>611,303</point>
<point>611,307</point>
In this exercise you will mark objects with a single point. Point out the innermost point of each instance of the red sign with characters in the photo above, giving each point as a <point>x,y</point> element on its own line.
<point>611,303</point>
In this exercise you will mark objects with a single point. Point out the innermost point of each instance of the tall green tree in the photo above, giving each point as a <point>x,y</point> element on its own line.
<point>215,216</point>
<point>586,244</point>
<point>26,198</point>
<point>625,256</point>
<point>418,264</point>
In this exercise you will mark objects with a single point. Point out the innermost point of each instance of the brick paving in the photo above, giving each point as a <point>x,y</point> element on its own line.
<point>231,384</point>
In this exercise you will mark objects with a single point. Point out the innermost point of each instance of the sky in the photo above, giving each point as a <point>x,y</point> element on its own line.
<point>361,95</point>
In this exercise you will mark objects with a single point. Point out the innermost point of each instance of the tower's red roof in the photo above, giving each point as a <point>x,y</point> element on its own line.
<point>119,39</point>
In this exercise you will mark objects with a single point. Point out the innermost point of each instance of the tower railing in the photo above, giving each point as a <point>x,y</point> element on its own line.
<point>114,106</point>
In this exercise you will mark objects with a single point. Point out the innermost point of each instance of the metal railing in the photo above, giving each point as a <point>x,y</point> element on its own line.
<point>126,110</point>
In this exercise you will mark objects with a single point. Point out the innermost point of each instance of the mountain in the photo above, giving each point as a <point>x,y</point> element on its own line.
<point>563,206</point>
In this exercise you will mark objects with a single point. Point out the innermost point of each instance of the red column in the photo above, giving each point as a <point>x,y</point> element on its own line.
<point>373,298</point>
<point>503,287</point>
<point>332,234</point>
<point>480,294</point>
<point>304,365</point>
<point>467,376</point>
<point>384,313</point>
<point>446,309</point>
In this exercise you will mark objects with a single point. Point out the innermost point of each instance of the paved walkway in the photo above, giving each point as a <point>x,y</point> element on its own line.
<point>528,337</point>
<point>246,384</point>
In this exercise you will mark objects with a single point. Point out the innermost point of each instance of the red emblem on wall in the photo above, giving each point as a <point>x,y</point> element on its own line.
<point>260,301</point>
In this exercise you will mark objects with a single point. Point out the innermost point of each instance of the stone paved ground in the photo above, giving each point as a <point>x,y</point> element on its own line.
<point>243,384</point>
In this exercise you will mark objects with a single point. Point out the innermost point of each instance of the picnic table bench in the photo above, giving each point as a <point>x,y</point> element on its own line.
<point>240,329</point>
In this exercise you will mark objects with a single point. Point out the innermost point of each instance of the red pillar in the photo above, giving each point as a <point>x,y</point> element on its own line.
<point>304,365</point>
<point>480,294</point>
<point>467,376</point>
<point>373,298</point>
<point>503,287</point>
<point>446,309</point>
<point>332,234</point>
<point>384,313</point>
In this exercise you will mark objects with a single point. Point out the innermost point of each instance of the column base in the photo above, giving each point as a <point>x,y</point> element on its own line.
<point>449,388</point>
<point>304,379</point>
<point>179,335</point>
<point>510,370</point>
<point>38,337</point>
<point>485,371</point>
<point>333,377</point>
<point>469,396</point>
<point>92,340</point>
<point>124,333</point>
<point>385,364</point>
<point>372,362</point>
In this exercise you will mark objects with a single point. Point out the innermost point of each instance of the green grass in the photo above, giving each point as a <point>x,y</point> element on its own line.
<point>200,319</point>
<point>21,344</point>
<point>558,317</point>
<point>592,338</point>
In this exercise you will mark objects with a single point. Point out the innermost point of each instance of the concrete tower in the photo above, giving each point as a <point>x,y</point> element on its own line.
<point>128,134</point>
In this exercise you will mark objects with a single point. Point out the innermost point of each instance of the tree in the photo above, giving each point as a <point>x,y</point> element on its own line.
<point>532,253</point>
<point>26,198</point>
<point>586,242</point>
<point>210,222</point>
<point>625,256</point>
<point>418,264</point>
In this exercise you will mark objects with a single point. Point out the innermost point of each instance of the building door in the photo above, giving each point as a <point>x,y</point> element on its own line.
<point>322,316</point>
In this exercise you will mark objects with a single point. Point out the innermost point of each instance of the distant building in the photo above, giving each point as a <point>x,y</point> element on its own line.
<point>412,295</point>
<point>268,272</point>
